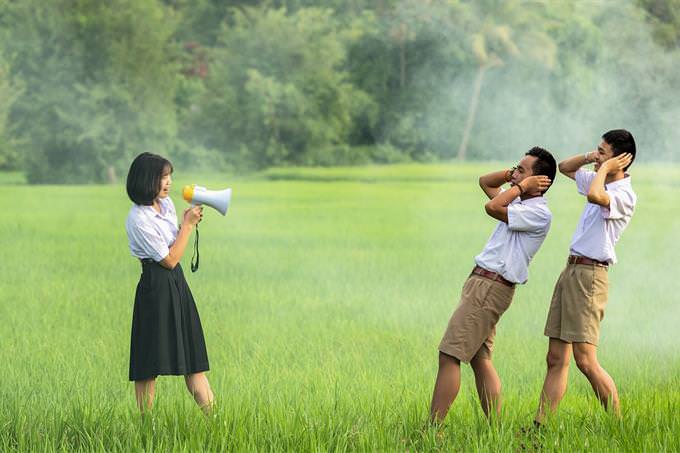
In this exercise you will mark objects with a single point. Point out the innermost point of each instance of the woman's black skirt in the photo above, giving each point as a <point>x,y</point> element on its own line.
<point>167,337</point>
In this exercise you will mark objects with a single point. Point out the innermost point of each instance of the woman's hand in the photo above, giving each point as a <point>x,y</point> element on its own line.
<point>193,215</point>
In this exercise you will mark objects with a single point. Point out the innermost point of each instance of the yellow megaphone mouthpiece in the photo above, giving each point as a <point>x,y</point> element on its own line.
<point>188,193</point>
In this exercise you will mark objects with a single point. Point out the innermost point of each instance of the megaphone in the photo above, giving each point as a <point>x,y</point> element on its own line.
<point>218,199</point>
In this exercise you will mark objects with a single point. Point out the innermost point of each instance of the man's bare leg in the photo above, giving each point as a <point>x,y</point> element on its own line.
<point>555,384</point>
<point>603,385</point>
<point>446,387</point>
<point>488,385</point>
<point>144,393</point>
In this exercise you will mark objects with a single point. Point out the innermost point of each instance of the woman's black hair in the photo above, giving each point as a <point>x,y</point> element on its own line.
<point>144,177</point>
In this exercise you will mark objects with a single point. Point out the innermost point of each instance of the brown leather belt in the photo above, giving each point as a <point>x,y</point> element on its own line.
<point>573,259</point>
<point>491,276</point>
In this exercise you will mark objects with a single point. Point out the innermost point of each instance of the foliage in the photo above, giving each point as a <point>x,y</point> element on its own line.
<point>277,89</point>
<point>10,90</point>
<point>243,84</point>
<point>99,85</point>
<point>664,15</point>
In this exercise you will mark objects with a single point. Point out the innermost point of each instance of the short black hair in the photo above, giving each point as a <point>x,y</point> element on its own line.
<point>544,165</point>
<point>144,177</point>
<point>621,142</point>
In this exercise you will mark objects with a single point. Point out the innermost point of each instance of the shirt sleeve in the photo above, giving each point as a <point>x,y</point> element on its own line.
<point>527,218</point>
<point>621,205</point>
<point>149,240</point>
<point>583,180</point>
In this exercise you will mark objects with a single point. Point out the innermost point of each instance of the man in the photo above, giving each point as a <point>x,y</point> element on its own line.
<point>580,294</point>
<point>524,221</point>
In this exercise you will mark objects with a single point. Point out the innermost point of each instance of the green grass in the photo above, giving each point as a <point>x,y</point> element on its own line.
<point>323,296</point>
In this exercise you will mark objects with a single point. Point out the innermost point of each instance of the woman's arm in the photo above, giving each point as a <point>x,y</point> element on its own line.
<point>191,218</point>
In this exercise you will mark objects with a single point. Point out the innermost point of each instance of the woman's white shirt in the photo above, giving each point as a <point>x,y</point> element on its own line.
<point>151,233</point>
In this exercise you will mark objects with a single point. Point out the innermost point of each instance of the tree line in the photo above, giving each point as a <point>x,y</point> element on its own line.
<point>239,85</point>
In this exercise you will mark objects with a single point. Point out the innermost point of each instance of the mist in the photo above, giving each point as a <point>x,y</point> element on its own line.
<point>626,81</point>
<point>234,87</point>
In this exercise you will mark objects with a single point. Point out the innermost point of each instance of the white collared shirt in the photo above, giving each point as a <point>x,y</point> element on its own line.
<point>599,228</point>
<point>150,233</point>
<point>512,245</point>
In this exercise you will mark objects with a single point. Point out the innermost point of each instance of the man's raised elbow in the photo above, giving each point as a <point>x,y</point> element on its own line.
<point>495,211</point>
<point>562,168</point>
<point>595,198</point>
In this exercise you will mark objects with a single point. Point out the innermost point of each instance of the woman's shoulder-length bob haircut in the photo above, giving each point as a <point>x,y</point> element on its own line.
<point>144,177</point>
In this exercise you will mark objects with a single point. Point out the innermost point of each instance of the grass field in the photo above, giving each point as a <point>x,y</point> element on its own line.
<point>323,296</point>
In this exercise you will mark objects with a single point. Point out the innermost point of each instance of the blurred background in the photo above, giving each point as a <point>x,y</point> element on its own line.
<point>239,86</point>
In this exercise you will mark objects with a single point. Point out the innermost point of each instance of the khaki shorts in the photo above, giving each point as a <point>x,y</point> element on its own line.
<point>577,305</point>
<point>472,326</point>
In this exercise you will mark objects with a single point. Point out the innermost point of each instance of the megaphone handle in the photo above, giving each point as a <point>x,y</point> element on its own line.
<point>194,265</point>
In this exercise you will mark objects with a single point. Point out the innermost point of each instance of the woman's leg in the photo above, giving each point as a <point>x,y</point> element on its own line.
<point>144,392</point>
<point>199,387</point>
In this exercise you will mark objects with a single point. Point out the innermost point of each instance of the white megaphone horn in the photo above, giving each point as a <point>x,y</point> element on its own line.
<point>218,199</point>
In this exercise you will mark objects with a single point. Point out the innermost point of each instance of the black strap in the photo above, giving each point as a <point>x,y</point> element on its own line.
<point>194,265</point>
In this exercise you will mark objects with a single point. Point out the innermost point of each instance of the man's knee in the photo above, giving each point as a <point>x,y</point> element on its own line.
<point>556,360</point>
<point>447,360</point>
<point>585,363</point>
<point>480,364</point>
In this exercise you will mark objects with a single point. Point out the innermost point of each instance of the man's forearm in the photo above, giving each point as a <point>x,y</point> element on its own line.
<point>503,200</point>
<point>494,180</point>
<point>498,206</point>
<point>596,193</point>
<point>572,164</point>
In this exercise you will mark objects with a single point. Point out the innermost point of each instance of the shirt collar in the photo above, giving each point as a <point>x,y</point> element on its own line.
<point>534,200</point>
<point>625,181</point>
<point>150,211</point>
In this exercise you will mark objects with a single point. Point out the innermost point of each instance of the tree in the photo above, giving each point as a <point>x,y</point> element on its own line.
<point>276,92</point>
<point>507,29</point>
<point>100,81</point>
<point>10,90</point>
<point>664,15</point>
<point>407,55</point>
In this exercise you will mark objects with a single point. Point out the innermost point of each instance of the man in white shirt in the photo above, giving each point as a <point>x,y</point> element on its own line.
<point>580,294</point>
<point>524,221</point>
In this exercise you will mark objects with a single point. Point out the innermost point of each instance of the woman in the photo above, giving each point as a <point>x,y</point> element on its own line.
<point>167,337</point>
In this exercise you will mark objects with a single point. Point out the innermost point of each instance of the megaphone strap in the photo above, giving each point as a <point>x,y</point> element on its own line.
<point>194,265</point>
